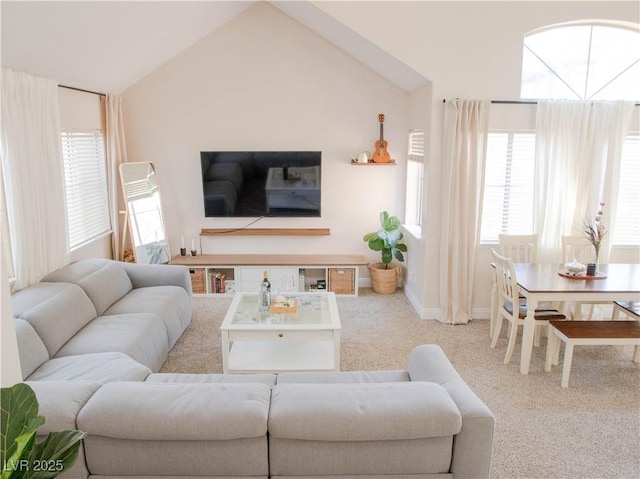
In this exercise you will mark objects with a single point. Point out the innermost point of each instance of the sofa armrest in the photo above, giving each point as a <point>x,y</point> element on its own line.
<point>472,447</point>
<point>145,275</point>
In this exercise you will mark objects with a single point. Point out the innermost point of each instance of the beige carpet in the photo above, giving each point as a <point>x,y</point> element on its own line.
<point>590,430</point>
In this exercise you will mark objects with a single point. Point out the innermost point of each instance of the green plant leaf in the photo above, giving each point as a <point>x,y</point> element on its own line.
<point>390,223</point>
<point>19,416</point>
<point>370,236</point>
<point>384,217</point>
<point>13,467</point>
<point>376,244</point>
<point>22,458</point>
<point>387,257</point>
<point>56,453</point>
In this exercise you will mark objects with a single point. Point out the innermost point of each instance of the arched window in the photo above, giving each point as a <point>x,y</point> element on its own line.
<point>585,60</point>
<point>590,61</point>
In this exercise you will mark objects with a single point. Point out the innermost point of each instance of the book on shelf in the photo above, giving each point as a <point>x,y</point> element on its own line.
<point>217,282</point>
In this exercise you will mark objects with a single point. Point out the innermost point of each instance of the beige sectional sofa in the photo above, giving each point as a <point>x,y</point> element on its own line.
<point>101,320</point>
<point>422,422</point>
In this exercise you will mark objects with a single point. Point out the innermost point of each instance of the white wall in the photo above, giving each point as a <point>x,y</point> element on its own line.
<point>265,82</point>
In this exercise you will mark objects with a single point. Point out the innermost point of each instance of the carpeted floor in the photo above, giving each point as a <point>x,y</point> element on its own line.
<point>589,430</point>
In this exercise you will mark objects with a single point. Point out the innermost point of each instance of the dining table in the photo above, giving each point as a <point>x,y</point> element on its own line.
<point>542,282</point>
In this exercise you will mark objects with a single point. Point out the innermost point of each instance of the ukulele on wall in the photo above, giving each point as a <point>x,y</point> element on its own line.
<point>381,155</point>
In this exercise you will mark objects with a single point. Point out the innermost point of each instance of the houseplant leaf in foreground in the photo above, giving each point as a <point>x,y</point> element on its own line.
<point>22,458</point>
<point>59,450</point>
<point>20,421</point>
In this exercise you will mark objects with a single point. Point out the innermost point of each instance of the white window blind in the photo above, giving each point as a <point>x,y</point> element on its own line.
<point>416,144</point>
<point>415,178</point>
<point>86,185</point>
<point>627,227</point>
<point>508,191</point>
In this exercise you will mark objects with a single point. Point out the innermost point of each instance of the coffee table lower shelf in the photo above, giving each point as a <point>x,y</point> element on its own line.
<point>285,356</point>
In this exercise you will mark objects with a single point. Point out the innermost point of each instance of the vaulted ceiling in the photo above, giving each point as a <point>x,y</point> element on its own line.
<point>109,46</point>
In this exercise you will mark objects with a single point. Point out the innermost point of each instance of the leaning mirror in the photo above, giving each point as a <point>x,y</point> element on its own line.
<point>144,213</point>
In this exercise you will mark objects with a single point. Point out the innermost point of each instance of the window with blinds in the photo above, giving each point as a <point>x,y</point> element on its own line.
<point>508,191</point>
<point>627,228</point>
<point>86,185</point>
<point>415,179</point>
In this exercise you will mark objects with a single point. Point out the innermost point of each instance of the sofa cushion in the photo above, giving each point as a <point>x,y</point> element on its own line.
<point>109,458</point>
<point>426,458</point>
<point>268,379</point>
<point>162,411</point>
<point>100,367</point>
<point>31,349</point>
<point>61,401</point>
<point>105,281</point>
<point>56,311</point>
<point>171,304</point>
<point>141,336</point>
<point>344,377</point>
<point>362,412</point>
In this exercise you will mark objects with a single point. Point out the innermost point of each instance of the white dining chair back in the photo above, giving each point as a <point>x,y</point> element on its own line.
<point>510,306</point>
<point>576,248</point>
<point>519,248</point>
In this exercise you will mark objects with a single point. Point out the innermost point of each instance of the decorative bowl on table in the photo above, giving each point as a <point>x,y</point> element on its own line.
<point>574,267</point>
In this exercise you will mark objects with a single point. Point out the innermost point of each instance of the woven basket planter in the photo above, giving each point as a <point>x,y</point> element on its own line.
<point>384,281</point>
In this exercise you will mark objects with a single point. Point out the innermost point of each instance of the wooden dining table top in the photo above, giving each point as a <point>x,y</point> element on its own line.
<point>545,277</point>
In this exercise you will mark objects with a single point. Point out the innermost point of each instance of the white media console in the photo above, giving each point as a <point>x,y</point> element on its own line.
<point>228,274</point>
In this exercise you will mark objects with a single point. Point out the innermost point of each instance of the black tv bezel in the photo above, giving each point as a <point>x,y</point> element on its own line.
<point>254,164</point>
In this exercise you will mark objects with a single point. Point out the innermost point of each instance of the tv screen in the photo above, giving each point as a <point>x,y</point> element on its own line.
<point>261,183</point>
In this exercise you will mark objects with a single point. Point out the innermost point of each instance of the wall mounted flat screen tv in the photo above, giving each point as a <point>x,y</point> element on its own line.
<point>261,183</point>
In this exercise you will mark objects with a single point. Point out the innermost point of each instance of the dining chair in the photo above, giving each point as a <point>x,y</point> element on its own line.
<point>511,308</point>
<point>579,248</point>
<point>520,249</point>
<point>576,247</point>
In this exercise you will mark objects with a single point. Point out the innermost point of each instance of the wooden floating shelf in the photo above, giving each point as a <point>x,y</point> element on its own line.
<point>265,232</point>
<point>373,163</point>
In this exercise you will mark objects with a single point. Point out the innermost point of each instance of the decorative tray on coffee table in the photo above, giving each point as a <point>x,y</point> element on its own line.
<point>288,306</point>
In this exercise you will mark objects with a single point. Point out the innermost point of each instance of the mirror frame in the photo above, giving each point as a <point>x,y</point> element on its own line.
<point>128,223</point>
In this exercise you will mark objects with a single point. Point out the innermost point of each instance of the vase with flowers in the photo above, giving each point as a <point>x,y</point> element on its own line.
<point>595,231</point>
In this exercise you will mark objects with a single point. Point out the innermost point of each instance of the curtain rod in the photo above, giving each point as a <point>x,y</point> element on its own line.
<point>515,102</point>
<point>82,90</point>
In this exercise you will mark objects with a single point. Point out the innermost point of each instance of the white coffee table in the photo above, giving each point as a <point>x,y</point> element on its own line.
<point>259,342</point>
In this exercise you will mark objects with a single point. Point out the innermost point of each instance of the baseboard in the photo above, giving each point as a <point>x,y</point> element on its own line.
<point>481,313</point>
<point>428,313</point>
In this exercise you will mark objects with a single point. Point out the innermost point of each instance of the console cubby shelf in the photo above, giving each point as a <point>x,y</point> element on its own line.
<point>227,274</point>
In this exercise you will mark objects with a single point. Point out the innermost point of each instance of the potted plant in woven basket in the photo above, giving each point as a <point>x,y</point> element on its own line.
<point>387,239</point>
